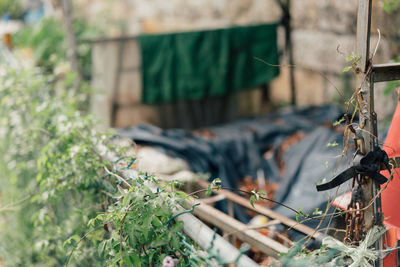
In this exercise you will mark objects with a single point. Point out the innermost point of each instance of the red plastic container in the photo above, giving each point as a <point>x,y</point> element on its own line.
<point>391,195</point>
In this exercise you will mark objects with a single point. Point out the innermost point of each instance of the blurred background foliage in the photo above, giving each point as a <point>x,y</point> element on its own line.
<point>48,189</point>
<point>57,205</point>
<point>47,41</point>
<point>11,8</point>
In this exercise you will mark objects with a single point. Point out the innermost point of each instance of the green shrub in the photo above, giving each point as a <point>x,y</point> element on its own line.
<point>57,203</point>
<point>47,39</point>
<point>46,161</point>
<point>12,8</point>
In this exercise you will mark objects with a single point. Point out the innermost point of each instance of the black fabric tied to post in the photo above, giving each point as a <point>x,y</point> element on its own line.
<point>369,166</point>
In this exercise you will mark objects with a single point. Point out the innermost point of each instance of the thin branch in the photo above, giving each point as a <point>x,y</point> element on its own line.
<point>117,176</point>
<point>245,192</point>
<point>11,206</point>
<point>80,240</point>
<point>313,70</point>
<point>120,230</point>
<point>377,45</point>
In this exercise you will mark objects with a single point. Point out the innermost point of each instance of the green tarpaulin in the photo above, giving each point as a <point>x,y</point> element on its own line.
<point>196,65</point>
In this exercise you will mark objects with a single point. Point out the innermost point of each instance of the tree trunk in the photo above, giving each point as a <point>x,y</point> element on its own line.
<point>72,48</point>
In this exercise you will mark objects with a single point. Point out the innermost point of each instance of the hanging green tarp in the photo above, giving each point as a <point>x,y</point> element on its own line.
<point>196,65</point>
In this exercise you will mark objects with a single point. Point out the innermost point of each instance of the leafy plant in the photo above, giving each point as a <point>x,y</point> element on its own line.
<point>46,159</point>
<point>12,8</point>
<point>47,39</point>
<point>353,60</point>
<point>390,5</point>
<point>392,84</point>
<point>63,202</point>
<point>140,230</point>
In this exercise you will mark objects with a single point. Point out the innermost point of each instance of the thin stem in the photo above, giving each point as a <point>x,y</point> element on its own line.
<point>245,192</point>
<point>117,176</point>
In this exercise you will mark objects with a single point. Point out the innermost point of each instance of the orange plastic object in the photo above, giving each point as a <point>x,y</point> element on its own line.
<point>391,195</point>
<point>7,40</point>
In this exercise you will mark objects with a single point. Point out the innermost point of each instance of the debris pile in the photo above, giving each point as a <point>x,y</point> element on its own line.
<point>282,154</point>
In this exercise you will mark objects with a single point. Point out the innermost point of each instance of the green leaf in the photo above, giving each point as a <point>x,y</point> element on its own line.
<point>333,144</point>
<point>209,190</point>
<point>262,193</point>
<point>75,238</point>
<point>338,122</point>
<point>252,200</point>
<point>160,241</point>
<point>348,68</point>
<point>390,87</point>
<point>317,212</point>
<point>136,261</point>
<point>156,222</point>
<point>175,241</point>
<point>101,247</point>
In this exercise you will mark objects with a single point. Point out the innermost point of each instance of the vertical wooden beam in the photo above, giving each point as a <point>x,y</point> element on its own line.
<point>116,85</point>
<point>289,48</point>
<point>363,39</point>
<point>72,48</point>
<point>286,22</point>
<point>363,32</point>
<point>363,95</point>
<point>368,121</point>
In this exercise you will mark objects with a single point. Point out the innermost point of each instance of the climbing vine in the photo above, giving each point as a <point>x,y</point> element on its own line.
<point>64,201</point>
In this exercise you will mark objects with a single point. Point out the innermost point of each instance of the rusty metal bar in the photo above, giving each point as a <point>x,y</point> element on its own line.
<point>386,72</point>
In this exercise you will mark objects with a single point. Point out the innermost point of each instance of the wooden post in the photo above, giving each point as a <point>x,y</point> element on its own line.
<point>365,100</point>
<point>367,131</point>
<point>72,48</point>
<point>286,22</point>
<point>367,75</point>
<point>289,49</point>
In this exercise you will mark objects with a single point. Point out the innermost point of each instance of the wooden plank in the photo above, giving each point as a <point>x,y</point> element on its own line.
<point>212,200</point>
<point>267,212</point>
<point>111,39</point>
<point>366,102</point>
<point>363,32</point>
<point>386,72</point>
<point>240,230</point>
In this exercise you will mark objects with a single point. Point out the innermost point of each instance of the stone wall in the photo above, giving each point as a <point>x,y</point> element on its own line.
<point>323,34</point>
<point>116,77</point>
<point>131,17</point>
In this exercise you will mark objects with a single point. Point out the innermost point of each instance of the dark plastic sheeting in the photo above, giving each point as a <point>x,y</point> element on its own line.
<point>237,150</point>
